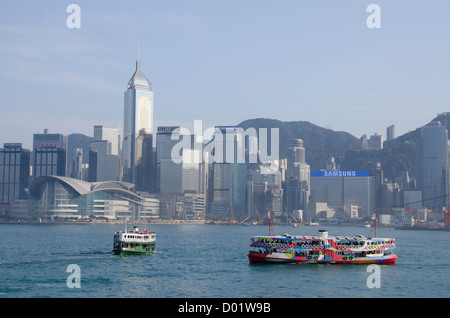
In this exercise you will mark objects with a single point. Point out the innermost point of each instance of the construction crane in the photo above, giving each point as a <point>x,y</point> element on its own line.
<point>181,211</point>
<point>261,218</point>
<point>271,228</point>
<point>168,211</point>
<point>231,220</point>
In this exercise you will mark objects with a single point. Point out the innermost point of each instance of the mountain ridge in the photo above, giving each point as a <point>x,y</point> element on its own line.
<point>396,157</point>
<point>320,143</point>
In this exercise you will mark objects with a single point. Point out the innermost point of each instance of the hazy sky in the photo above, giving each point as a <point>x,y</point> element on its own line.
<point>224,62</point>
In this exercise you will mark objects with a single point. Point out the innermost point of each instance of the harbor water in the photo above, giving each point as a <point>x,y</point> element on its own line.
<point>206,261</point>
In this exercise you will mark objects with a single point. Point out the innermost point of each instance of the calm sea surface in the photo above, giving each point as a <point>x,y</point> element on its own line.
<point>196,261</point>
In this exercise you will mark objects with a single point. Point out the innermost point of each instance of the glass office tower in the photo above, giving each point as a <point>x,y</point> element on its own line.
<point>138,120</point>
<point>112,134</point>
<point>431,164</point>
<point>104,155</point>
<point>51,152</point>
<point>229,182</point>
<point>14,172</point>
<point>168,173</point>
<point>298,177</point>
<point>340,188</point>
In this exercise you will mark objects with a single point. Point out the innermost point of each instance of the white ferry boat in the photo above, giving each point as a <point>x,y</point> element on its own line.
<point>134,242</point>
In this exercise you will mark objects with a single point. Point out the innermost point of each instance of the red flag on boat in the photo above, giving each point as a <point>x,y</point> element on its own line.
<point>374,216</point>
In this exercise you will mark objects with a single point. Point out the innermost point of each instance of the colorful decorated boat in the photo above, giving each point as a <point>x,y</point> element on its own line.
<point>134,242</point>
<point>321,249</point>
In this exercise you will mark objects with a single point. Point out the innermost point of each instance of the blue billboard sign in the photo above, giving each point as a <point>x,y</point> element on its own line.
<point>351,173</point>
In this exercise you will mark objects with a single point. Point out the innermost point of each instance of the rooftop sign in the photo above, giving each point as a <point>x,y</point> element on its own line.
<point>226,128</point>
<point>167,129</point>
<point>351,173</point>
<point>12,145</point>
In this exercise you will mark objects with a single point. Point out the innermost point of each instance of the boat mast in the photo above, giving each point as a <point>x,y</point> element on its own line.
<point>271,229</point>
<point>374,218</point>
<point>375,225</point>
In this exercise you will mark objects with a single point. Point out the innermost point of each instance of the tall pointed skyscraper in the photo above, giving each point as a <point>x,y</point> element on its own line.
<point>138,121</point>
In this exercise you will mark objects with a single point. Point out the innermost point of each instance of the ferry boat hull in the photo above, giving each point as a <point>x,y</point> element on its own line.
<point>119,250</point>
<point>270,258</point>
<point>321,250</point>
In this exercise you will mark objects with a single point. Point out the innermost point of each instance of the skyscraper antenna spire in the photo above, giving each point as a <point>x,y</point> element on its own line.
<point>138,63</point>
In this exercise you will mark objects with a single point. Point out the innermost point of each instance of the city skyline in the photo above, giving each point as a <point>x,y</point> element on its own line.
<point>223,63</point>
<point>123,123</point>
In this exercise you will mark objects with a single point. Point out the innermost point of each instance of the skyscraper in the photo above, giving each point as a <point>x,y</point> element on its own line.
<point>229,181</point>
<point>103,166</point>
<point>50,154</point>
<point>168,173</point>
<point>376,142</point>
<point>298,177</point>
<point>344,188</point>
<point>145,180</point>
<point>107,145</point>
<point>76,171</point>
<point>390,132</point>
<point>14,173</point>
<point>431,164</point>
<point>138,120</point>
<point>112,134</point>
<point>49,161</point>
<point>179,177</point>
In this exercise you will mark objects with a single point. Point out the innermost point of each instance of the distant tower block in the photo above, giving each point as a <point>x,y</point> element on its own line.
<point>390,132</point>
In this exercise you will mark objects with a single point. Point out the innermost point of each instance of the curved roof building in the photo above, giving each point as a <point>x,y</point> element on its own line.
<point>68,197</point>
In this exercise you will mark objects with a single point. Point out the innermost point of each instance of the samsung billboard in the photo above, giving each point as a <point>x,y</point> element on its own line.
<point>351,173</point>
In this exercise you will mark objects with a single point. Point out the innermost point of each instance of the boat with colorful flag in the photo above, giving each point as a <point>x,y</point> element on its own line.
<point>321,249</point>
